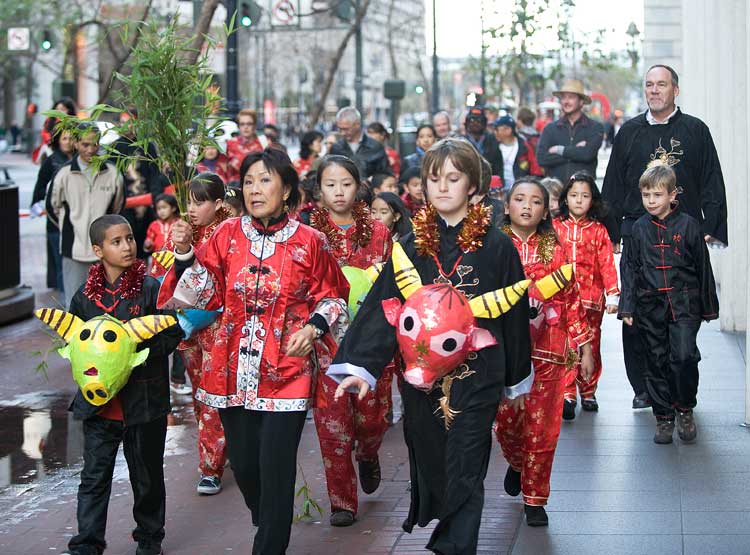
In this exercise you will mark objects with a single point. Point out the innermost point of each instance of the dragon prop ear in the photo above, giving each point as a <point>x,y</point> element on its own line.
<point>145,327</point>
<point>164,258</point>
<point>407,278</point>
<point>374,271</point>
<point>63,323</point>
<point>555,282</point>
<point>500,301</point>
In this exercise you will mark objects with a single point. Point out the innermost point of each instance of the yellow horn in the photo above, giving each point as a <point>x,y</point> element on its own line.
<point>500,301</point>
<point>164,258</point>
<point>374,271</point>
<point>63,323</point>
<point>145,327</point>
<point>555,282</point>
<point>406,275</point>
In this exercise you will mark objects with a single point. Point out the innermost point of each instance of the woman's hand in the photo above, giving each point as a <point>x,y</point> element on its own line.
<point>587,362</point>
<point>518,402</point>
<point>301,343</point>
<point>182,236</point>
<point>611,309</point>
<point>352,381</point>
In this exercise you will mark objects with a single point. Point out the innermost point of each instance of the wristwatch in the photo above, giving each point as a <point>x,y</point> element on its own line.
<point>318,332</point>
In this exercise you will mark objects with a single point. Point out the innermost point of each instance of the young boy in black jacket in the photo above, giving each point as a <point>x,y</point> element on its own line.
<point>137,415</point>
<point>668,288</point>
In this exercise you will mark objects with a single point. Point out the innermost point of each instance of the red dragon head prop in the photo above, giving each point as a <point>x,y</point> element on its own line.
<point>435,326</point>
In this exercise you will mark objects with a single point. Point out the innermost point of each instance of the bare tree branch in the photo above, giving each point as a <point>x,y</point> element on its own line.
<point>202,28</point>
<point>333,68</point>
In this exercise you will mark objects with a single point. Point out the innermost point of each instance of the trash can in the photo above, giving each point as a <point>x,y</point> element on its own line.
<point>10,246</point>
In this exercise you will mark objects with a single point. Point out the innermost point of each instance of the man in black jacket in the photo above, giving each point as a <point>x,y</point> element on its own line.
<point>367,153</point>
<point>483,140</point>
<point>571,143</point>
<point>683,142</point>
<point>137,415</point>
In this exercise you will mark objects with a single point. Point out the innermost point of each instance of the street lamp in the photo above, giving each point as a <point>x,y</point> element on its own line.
<point>633,33</point>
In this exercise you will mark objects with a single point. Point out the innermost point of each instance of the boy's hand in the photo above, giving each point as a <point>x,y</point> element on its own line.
<point>182,236</point>
<point>587,362</point>
<point>611,309</point>
<point>352,381</point>
<point>627,320</point>
<point>518,402</point>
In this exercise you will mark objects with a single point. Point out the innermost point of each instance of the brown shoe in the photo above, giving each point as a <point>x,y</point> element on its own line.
<point>686,428</point>
<point>664,432</point>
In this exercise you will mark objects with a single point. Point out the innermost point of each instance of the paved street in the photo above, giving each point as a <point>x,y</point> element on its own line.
<point>613,490</point>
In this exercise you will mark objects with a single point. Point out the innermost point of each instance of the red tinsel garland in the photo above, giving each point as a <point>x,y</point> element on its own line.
<point>131,281</point>
<point>320,220</point>
<point>427,235</point>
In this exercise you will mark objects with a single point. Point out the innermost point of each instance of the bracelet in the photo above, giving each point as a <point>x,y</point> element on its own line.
<point>318,332</point>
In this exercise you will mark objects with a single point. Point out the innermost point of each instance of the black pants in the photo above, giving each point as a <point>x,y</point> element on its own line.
<point>143,445</point>
<point>177,373</point>
<point>672,363</point>
<point>262,447</point>
<point>632,345</point>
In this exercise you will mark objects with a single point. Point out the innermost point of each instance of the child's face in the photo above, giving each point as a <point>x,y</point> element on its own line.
<point>202,212</point>
<point>526,208</point>
<point>388,185</point>
<point>579,199</point>
<point>164,210</point>
<point>382,212</point>
<point>658,201</point>
<point>338,190</point>
<point>449,191</point>
<point>118,249</point>
<point>425,139</point>
<point>210,153</point>
<point>414,188</point>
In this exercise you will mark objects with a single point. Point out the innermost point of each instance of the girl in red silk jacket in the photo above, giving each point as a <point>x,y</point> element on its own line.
<point>355,240</point>
<point>528,429</point>
<point>580,229</point>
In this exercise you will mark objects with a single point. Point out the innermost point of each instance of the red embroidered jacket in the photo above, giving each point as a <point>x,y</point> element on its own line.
<point>588,247</point>
<point>237,149</point>
<point>158,233</point>
<point>570,330</point>
<point>269,282</point>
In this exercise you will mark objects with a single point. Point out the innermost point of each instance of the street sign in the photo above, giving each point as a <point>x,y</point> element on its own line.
<point>19,38</point>
<point>284,13</point>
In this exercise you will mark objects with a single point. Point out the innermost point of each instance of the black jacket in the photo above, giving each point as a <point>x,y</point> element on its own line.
<point>413,160</point>
<point>370,156</point>
<point>47,172</point>
<point>669,258</point>
<point>146,395</point>
<point>490,150</point>
<point>687,140</point>
<point>574,158</point>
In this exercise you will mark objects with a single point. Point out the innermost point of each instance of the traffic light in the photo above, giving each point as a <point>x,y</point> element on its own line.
<point>250,13</point>
<point>46,43</point>
<point>342,9</point>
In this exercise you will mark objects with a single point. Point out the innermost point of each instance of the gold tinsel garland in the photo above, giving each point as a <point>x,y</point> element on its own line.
<point>545,244</point>
<point>427,234</point>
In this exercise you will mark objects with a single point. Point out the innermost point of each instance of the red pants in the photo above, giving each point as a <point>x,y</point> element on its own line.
<point>587,388</point>
<point>529,437</point>
<point>211,443</point>
<point>343,422</point>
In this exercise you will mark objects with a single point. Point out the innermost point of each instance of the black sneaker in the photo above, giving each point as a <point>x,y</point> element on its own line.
<point>686,427</point>
<point>664,432</point>
<point>569,410</point>
<point>150,549</point>
<point>590,404</point>
<point>369,475</point>
<point>641,401</point>
<point>512,483</point>
<point>342,518</point>
<point>535,515</point>
<point>209,485</point>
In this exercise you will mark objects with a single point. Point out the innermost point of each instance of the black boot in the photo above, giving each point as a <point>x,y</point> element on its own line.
<point>569,410</point>
<point>535,515</point>
<point>512,482</point>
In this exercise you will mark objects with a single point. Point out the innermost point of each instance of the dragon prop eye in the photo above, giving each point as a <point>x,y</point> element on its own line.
<point>84,335</point>
<point>410,324</point>
<point>447,343</point>
<point>110,336</point>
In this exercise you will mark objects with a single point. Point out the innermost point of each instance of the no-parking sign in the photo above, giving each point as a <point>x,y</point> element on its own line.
<point>19,38</point>
<point>284,13</point>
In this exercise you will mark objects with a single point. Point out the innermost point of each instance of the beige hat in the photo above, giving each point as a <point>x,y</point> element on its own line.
<point>576,87</point>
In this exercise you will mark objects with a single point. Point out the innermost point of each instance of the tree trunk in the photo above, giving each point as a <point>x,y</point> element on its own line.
<point>391,31</point>
<point>333,68</point>
<point>202,28</point>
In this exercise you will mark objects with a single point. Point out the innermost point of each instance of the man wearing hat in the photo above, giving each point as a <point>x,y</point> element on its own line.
<point>572,142</point>
<point>518,160</point>
<point>483,140</point>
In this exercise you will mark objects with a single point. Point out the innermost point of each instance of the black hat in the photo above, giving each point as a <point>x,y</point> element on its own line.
<point>506,120</point>
<point>476,112</point>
